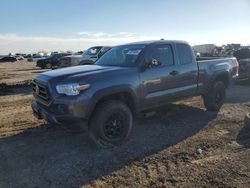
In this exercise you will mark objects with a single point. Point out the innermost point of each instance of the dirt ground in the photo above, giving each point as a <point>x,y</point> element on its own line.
<point>160,153</point>
<point>18,72</point>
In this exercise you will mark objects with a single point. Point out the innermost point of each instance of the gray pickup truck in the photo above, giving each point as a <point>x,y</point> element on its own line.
<point>127,80</point>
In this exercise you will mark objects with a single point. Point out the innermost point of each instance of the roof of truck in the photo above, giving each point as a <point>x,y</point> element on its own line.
<point>157,41</point>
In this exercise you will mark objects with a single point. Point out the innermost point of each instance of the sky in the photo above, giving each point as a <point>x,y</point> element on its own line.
<point>28,26</point>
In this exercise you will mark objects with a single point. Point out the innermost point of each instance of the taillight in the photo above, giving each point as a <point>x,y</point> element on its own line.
<point>237,67</point>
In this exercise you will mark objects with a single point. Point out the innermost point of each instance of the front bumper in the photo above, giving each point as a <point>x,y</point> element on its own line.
<point>48,113</point>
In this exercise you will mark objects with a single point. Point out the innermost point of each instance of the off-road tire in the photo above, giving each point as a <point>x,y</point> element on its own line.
<point>99,126</point>
<point>215,97</point>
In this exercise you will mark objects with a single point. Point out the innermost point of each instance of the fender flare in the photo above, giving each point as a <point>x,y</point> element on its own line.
<point>112,91</point>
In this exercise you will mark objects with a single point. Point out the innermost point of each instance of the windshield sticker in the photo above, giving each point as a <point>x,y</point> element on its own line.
<point>133,52</point>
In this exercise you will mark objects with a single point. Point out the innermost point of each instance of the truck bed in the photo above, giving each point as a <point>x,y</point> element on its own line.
<point>208,58</point>
<point>208,69</point>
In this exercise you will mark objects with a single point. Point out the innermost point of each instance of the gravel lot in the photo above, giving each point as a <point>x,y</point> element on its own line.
<point>160,153</point>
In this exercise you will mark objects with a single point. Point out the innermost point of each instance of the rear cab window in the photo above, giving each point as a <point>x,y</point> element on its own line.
<point>184,54</point>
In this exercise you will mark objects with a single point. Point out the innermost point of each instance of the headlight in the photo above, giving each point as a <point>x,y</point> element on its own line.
<point>71,89</point>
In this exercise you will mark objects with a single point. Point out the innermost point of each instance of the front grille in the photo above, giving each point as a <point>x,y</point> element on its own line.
<point>41,91</point>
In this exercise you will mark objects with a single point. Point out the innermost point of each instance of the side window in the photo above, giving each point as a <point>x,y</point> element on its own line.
<point>163,54</point>
<point>184,53</point>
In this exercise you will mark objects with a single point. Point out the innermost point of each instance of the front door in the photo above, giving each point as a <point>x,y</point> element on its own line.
<point>158,81</point>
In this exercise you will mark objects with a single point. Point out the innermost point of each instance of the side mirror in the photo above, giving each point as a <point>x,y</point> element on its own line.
<point>152,63</point>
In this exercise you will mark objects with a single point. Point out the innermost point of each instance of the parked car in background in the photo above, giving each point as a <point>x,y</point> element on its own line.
<point>35,58</point>
<point>94,53</point>
<point>8,59</point>
<point>88,57</point>
<point>27,56</point>
<point>242,53</point>
<point>19,57</point>
<point>127,80</point>
<point>244,71</point>
<point>243,57</point>
<point>71,60</point>
<point>204,49</point>
<point>52,61</point>
<point>79,53</point>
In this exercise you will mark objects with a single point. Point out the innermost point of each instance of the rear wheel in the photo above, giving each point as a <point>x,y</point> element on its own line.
<point>111,124</point>
<point>48,66</point>
<point>215,97</point>
<point>64,63</point>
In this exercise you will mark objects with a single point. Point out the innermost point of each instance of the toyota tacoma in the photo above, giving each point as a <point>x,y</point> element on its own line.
<point>128,80</point>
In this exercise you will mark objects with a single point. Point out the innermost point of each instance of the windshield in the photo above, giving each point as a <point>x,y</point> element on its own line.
<point>122,56</point>
<point>93,51</point>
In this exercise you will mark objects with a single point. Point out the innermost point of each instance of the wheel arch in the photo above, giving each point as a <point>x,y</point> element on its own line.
<point>223,77</point>
<point>121,93</point>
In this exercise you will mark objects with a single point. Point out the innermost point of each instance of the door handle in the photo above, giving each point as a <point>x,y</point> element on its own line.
<point>173,73</point>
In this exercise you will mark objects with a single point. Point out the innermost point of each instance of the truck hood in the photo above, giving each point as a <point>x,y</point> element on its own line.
<point>76,72</point>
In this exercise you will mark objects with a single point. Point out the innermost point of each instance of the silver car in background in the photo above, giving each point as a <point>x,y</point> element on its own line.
<point>88,57</point>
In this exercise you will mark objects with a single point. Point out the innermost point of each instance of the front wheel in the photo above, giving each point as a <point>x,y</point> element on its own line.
<point>111,123</point>
<point>215,97</point>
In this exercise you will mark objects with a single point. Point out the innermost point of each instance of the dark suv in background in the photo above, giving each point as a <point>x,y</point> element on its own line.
<point>243,57</point>
<point>52,61</point>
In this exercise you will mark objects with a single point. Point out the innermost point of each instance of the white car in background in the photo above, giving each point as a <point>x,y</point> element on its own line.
<point>19,57</point>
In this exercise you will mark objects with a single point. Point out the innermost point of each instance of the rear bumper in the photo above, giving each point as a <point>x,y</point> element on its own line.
<point>48,114</point>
